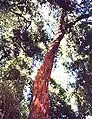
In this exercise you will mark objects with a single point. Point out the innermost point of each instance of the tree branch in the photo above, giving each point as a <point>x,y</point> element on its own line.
<point>82,17</point>
<point>20,15</point>
<point>69,25</point>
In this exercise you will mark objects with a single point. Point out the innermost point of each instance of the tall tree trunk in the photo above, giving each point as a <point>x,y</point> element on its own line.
<point>39,108</point>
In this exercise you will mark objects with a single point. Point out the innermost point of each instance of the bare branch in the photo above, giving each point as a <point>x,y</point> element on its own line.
<point>69,25</point>
<point>82,17</point>
<point>20,15</point>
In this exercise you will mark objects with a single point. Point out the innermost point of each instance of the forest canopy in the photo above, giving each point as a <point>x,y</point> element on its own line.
<point>27,28</point>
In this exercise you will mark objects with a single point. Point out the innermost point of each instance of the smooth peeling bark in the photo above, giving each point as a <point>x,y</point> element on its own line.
<point>40,105</point>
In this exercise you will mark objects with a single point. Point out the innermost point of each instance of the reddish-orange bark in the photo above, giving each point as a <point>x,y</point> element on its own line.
<point>40,103</point>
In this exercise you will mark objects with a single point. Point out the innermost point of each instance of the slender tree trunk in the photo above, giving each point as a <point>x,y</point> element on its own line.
<point>40,106</point>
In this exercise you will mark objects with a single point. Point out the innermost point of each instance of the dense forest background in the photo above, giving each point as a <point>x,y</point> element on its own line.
<point>26,30</point>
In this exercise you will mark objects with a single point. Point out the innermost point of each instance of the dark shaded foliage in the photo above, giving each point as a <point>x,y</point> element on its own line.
<point>82,66</point>
<point>23,40</point>
<point>5,49</point>
<point>58,106</point>
<point>65,4</point>
<point>59,109</point>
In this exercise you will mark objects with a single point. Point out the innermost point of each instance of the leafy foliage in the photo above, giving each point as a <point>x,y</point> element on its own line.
<point>81,65</point>
<point>59,107</point>
<point>21,33</point>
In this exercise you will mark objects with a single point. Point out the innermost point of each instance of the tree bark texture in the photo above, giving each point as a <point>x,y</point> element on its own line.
<point>40,106</point>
